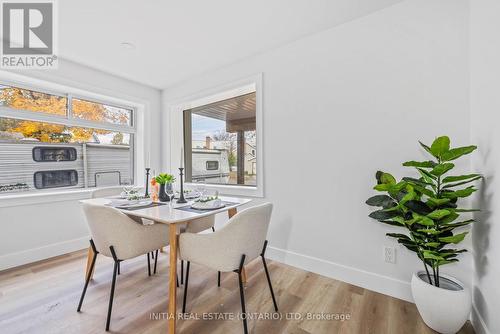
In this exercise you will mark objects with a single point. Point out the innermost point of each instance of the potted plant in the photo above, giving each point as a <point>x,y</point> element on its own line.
<point>426,207</point>
<point>165,181</point>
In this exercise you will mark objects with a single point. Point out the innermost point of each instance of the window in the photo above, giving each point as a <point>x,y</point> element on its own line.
<point>55,179</point>
<point>41,154</point>
<point>220,142</point>
<point>212,165</point>
<point>25,99</point>
<point>94,111</point>
<point>54,140</point>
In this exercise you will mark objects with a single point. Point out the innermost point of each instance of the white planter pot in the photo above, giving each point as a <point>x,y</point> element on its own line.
<point>444,309</point>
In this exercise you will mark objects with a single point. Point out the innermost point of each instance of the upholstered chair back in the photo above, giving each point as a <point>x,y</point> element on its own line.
<point>110,227</point>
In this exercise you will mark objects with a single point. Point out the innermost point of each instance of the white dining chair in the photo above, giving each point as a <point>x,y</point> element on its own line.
<point>228,249</point>
<point>103,192</point>
<point>107,192</point>
<point>115,235</point>
<point>196,226</point>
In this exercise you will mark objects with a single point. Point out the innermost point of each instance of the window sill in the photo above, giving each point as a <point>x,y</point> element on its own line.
<point>230,190</point>
<point>20,199</point>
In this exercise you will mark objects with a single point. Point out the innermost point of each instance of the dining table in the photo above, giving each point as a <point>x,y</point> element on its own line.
<point>174,216</point>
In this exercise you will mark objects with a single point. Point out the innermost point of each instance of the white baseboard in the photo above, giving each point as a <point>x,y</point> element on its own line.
<point>41,253</point>
<point>478,322</point>
<point>368,280</point>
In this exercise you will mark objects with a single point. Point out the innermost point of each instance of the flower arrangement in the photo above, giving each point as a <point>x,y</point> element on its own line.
<point>164,178</point>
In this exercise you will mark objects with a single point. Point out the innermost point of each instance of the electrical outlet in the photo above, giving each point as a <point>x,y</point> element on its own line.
<point>390,254</point>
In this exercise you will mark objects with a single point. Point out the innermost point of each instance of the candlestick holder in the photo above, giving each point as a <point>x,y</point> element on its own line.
<point>181,196</point>
<point>146,193</point>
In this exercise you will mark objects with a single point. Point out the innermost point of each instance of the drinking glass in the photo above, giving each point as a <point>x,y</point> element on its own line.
<point>171,194</point>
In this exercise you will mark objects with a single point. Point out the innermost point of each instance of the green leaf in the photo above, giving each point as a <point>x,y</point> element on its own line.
<point>426,221</point>
<point>467,210</point>
<point>451,226</point>
<point>412,180</point>
<point>461,183</point>
<point>422,164</point>
<point>385,178</point>
<point>430,231</point>
<point>427,148</point>
<point>399,220</point>
<point>459,193</point>
<point>381,200</point>
<point>438,214</point>
<point>431,255</point>
<point>423,190</point>
<point>443,262</point>
<point>398,235</point>
<point>456,153</point>
<point>432,244</point>
<point>395,189</point>
<point>428,177</point>
<point>454,239</point>
<point>382,187</point>
<point>438,201</point>
<point>448,219</point>
<point>440,146</point>
<point>419,207</point>
<point>382,215</point>
<point>449,179</point>
<point>442,168</point>
<point>390,222</point>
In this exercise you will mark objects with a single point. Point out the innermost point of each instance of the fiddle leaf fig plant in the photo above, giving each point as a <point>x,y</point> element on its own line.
<point>426,206</point>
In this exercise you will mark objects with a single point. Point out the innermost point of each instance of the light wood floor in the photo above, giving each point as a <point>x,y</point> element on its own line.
<point>42,298</point>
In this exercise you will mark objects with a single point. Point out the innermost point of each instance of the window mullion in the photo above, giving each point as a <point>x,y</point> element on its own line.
<point>69,106</point>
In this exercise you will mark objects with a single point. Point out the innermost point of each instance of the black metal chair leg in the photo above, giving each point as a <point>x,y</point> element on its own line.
<point>111,296</point>
<point>156,261</point>
<point>118,268</point>
<point>242,296</point>
<point>149,265</point>
<point>267,275</point>
<point>185,289</point>
<point>213,229</point>
<point>87,279</point>
<point>270,285</point>
<point>113,283</point>
<point>218,278</point>
<point>182,271</point>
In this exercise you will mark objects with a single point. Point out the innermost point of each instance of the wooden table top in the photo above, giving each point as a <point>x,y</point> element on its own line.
<point>164,214</point>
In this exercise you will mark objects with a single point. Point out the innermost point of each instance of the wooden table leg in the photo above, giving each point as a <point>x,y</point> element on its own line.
<point>231,212</point>
<point>90,255</point>
<point>172,302</point>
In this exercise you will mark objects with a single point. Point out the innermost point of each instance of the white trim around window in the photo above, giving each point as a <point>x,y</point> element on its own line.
<point>174,123</point>
<point>140,121</point>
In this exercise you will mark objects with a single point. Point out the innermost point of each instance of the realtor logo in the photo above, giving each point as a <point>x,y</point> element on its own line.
<point>28,34</point>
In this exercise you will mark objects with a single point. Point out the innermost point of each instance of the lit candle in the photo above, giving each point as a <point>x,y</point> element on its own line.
<point>182,157</point>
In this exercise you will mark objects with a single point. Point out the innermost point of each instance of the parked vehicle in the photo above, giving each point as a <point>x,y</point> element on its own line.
<point>26,165</point>
<point>210,166</point>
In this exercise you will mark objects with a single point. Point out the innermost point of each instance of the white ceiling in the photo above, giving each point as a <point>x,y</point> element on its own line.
<point>177,40</point>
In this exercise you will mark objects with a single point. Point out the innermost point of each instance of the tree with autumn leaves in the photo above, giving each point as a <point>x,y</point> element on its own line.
<point>23,99</point>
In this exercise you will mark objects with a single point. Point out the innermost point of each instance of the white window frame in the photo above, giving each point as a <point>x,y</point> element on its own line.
<point>175,123</point>
<point>138,139</point>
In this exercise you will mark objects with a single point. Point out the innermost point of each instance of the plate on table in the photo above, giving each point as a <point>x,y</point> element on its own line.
<point>211,205</point>
<point>126,204</point>
<point>188,194</point>
<point>130,192</point>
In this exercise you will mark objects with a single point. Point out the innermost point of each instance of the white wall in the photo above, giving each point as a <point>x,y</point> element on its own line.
<point>34,232</point>
<point>485,106</point>
<point>340,104</point>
